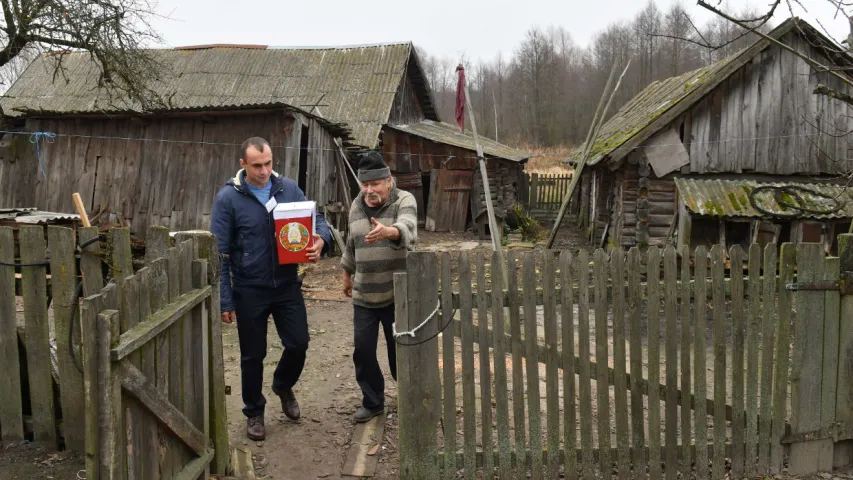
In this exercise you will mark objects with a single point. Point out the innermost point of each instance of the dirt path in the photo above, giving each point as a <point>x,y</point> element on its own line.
<point>327,392</point>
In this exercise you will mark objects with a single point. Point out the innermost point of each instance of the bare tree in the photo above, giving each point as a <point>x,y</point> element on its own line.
<point>113,32</point>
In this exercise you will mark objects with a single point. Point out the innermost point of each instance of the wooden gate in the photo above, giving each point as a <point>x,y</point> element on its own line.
<point>651,360</point>
<point>448,200</point>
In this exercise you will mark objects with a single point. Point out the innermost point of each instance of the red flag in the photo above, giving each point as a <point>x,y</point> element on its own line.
<point>460,98</point>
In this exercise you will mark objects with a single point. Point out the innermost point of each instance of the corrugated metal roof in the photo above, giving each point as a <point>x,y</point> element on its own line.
<point>32,216</point>
<point>445,133</point>
<point>356,85</point>
<point>661,96</point>
<point>731,198</point>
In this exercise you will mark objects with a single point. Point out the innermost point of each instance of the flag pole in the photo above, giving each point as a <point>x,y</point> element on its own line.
<point>493,224</point>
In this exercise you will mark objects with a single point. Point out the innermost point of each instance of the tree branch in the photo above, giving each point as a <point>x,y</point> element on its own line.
<point>832,93</point>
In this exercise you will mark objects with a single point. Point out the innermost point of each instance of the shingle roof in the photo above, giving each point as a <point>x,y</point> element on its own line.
<point>357,85</point>
<point>731,198</point>
<point>449,134</point>
<point>662,101</point>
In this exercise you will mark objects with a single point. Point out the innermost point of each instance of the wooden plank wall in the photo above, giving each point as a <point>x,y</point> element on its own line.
<point>163,171</point>
<point>762,119</point>
<point>406,107</point>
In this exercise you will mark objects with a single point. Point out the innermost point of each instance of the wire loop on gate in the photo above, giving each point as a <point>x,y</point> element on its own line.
<point>798,207</point>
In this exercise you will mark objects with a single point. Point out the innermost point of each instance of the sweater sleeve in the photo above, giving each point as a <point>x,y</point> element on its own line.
<point>407,223</point>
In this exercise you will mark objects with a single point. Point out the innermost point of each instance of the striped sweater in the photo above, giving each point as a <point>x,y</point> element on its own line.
<point>373,265</point>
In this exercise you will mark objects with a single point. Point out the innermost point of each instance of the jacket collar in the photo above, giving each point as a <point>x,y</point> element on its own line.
<point>239,180</point>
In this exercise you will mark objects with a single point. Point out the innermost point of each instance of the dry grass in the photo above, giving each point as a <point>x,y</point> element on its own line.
<point>547,160</point>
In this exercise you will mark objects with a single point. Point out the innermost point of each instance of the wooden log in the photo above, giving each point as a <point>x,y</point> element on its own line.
<point>654,316</point>
<point>552,389</point>
<point>699,372</point>
<point>530,352</point>
<point>448,364</point>
<point>718,259</point>
<point>420,364</point>
<point>768,336</point>
<point>11,409</point>
<point>31,240</point>
<point>738,349</point>
<point>584,374</point>
<point>787,262</point>
<point>601,352</point>
<point>485,371</point>
<point>501,401</point>
<point>671,335</point>
<point>466,308</point>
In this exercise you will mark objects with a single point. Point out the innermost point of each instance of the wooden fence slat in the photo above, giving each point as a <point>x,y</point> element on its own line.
<point>111,427</point>
<point>148,362</point>
<point>11,408</point>
<point>174,451</point>
<point>89,330</point>
<point>670,266</point>
<point>752,338</point>
<point>208,249</point>
<point>718,259</point>
<point>130,318</point>
<point>485,372</point>
<point>34,289</point>
<point>654,317</point>
<point>787,261</point>
<point>448,351</point>
<point>501,401</point>
<point>738,349</point>
<point>469,422</point>
<point>623,442</point>
<point>519,422</point>
<point>552,388</point>
<point>584,374</point>
<point>686,344</point>
<point>157,243</point>
<point>831,332</point>
<point>602,386</point>
<point>422,393</point>
<point>90,261</point>
<point>844,393</point>
<point>567,324</point>
<point>807,361</point>
<point>63,270</point>
<point>635,299</point>
<point>699,374</point>
<point>531,341</point>
<point>188,393</point>
<point>768,340</point>
<point>158,298</point>
<point>200,356</point>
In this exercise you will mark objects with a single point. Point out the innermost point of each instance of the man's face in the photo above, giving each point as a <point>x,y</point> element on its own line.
<point>376,191</point>
<point>258,166</point>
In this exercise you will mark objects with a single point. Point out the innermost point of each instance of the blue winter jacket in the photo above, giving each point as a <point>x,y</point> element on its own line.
<point>245,234</point>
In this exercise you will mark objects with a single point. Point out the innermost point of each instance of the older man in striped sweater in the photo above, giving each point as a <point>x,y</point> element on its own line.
<point>383,227</point>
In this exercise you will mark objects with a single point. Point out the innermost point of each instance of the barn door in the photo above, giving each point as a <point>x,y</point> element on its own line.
<point>448,200</point>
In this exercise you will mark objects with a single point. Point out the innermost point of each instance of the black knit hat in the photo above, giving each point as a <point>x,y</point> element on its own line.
<point>372,167</point>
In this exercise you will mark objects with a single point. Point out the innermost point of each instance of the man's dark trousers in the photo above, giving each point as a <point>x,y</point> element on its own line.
<point>254,305</point>
<point>367,372</point>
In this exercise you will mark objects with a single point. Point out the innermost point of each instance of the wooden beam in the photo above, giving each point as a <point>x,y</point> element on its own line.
<point>135,384</point>
<point>158,322</point>
<point>195,468</point>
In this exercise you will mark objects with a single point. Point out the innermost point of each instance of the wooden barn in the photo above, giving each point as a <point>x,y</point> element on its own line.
<point>727,153</point>
<point>164,166</point>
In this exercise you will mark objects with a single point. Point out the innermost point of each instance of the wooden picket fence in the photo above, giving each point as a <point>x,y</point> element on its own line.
<point>609,381</point>
<point>545,192</point>
<point>140,369</point>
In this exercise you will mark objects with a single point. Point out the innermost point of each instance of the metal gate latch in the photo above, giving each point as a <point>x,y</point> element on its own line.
<point>844,285</point>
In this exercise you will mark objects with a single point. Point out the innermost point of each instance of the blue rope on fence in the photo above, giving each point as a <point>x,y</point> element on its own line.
<point>36,138</point>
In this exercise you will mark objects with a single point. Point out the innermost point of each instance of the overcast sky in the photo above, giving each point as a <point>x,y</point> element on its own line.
<point>477,28</point>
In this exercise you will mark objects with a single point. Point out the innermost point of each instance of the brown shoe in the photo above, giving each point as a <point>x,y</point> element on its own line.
<point>255,429</point>
<point>289,405</point>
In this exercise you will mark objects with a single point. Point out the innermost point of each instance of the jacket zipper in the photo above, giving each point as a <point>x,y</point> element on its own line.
<point>270,237</point>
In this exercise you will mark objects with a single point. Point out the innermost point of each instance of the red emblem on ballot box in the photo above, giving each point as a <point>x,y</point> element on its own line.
<point>294,229</point>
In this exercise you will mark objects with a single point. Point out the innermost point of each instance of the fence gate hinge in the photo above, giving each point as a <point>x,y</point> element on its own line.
<point>843,285</point>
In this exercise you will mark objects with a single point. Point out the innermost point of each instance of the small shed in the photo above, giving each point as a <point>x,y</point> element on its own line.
<point>680,161</point>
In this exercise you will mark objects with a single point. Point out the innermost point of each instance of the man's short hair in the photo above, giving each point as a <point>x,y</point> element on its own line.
<point>256,142</point>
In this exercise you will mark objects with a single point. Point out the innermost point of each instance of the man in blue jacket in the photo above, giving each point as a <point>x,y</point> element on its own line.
<point>254,286</point>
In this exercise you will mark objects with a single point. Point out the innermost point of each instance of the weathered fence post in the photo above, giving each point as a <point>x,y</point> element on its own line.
<point>844,393</point>
<point>418,386</point>
<point>11,415</point>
